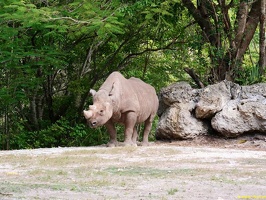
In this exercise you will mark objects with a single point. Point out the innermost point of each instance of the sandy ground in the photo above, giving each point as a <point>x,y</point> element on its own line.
<point>202,169</point>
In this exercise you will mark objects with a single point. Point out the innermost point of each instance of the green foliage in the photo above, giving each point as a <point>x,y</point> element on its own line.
<point>59,134</point>
<point>249,75</point>
<point>53,52</point>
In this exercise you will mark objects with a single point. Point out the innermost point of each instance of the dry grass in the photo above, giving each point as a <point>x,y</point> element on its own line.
<point>156,172</point>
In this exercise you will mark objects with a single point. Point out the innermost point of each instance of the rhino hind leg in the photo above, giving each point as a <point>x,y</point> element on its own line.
<point>135,135</point>
<point>147,129</point>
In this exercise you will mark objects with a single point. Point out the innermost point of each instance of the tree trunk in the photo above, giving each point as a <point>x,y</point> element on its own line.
<point>218,31</point>
<point>33,113</point>
<point>48,90</point>
<point>262,60</point>
<point>6,133</point>
<point>249,30</point>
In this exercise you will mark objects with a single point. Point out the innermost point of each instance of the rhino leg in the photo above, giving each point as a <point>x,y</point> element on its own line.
<point>135,135</point>
<point>112,133</point>
<point>147,129</point>
<point>130,129</point>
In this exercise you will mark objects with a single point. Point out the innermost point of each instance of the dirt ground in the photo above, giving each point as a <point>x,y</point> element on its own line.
<point>206,168</point>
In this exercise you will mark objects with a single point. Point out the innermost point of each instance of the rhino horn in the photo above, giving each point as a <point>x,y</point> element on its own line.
<point>87,114</point>
<point>92,107</point>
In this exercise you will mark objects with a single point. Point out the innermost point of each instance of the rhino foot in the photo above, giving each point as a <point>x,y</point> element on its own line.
<point>112,144</point>
<point>129,144</point>
<point>144,144</point>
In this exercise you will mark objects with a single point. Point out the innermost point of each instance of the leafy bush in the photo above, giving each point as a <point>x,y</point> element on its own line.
<point>60,134</point>
<point>64,134</point>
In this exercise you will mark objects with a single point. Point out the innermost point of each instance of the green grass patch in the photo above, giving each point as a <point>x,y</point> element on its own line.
<point>172,191</point>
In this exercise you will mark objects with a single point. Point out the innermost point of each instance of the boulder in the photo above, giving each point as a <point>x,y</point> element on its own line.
<point>213,98</point>
<point>241,116</point>
<point>178,122</point>
<point>252,91</point>
<point>176,110</point>
<point>180,92</point>
<point>226,108</point>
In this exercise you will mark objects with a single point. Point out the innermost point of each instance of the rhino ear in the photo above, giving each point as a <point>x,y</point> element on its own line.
<point>87,114</point>
<point>112,90</point>
<point>93,92</point>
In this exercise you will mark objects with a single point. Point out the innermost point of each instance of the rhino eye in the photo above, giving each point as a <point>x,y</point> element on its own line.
<point>101,112</point>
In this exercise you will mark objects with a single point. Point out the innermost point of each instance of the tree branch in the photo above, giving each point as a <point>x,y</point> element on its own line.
<point>126,40</point>
<point>240,22</point>
<point>227,22</point>
<point>262,57</point>
<point>200,15</point>
<point>86,65</point>
<point>132,55</point>
<point>194,76</point>
<point>250,28</point>
<point>70,19</point>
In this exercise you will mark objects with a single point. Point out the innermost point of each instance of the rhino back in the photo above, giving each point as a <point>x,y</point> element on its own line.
<point>141,98</point>
<point>131,95</point>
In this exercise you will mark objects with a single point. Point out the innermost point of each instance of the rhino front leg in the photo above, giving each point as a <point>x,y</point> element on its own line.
<point>130,129</point>
<point>112,133</point>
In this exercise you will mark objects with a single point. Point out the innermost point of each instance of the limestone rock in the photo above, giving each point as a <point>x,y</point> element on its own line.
<point>177,122</point>
<point>250,91</point>
<point>230,110</point>
<point>180,92</point>
<point>241,116</point>
<point>212,99</point>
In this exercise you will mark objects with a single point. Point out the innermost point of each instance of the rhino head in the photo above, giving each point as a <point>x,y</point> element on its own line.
<point>101,110</point>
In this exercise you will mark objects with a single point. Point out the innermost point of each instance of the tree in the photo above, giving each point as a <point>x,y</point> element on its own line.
<point>53,52</point>
<point>262,60</point>
<point>228,28</point>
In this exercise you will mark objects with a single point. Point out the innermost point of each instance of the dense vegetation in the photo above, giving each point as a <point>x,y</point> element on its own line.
<point>52,52</point>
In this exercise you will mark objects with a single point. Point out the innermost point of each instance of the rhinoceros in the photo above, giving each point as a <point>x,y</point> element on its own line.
<point>125,101</point>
